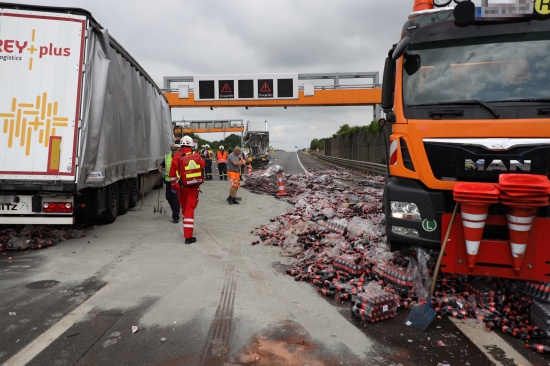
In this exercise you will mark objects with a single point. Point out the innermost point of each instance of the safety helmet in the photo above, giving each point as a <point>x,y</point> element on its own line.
<point>186,141</point>
<point>207,146</point>
<point>221,147</point>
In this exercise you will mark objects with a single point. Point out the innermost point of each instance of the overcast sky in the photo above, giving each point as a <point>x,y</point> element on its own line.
<point>210,37</point>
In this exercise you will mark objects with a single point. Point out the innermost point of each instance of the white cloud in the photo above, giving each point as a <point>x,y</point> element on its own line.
<point>190,37</point>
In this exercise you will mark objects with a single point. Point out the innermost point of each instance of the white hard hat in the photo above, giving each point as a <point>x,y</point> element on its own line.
<point>221,147</point>
<point>186,141</point>
<point>207,146</point>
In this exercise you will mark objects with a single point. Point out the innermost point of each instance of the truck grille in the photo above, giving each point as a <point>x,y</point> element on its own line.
<point>475,163</point>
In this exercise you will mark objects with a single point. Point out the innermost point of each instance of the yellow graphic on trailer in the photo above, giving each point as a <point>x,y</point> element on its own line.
<point>26,119</point>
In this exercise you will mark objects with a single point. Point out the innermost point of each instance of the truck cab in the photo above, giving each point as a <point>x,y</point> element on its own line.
<point>466,93</point>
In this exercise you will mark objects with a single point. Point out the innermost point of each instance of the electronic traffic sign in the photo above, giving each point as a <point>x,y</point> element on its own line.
<point>247,87</point>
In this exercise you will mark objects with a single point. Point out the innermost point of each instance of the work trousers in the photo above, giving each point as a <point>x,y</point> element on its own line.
<point>222,169</point>
<point>208,169</point>
<point>172,199</point>
<point>188,198</point>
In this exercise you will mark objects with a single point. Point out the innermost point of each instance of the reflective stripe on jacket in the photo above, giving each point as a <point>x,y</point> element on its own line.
<point>167,164</point>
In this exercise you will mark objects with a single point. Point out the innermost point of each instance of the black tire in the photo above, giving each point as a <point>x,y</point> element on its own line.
<point>113,203</point>
<point>134,193</point>
<point>124,196</point>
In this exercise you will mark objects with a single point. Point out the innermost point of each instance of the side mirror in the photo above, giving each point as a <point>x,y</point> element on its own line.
<point>388,84</point>
<point>401,48</point>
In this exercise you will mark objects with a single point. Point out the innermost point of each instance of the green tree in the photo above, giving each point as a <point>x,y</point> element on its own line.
<point>317,144</point>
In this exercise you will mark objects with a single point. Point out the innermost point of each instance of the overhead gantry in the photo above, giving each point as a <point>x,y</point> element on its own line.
<point>275,90</point>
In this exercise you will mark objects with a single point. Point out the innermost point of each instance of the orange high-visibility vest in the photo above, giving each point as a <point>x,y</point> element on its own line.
<point>222,157</point>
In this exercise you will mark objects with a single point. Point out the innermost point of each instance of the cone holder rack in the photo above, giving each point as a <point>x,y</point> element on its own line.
<point>521,195</point>
<point>494,258</point>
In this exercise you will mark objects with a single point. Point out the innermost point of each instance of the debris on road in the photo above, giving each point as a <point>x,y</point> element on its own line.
<point>23,237</point>
<point>336,237</point>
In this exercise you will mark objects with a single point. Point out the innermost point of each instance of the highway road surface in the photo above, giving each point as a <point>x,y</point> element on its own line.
<point>132,293</point>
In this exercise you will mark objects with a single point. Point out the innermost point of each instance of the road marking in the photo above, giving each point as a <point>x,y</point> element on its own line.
<point>305,170</point>
<point>41,342</point>
<point>299,162</point>
<point>487,341</point>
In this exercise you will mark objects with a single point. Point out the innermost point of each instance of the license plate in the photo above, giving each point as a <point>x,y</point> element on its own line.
<point>17,208</point>
<point>7,199</point>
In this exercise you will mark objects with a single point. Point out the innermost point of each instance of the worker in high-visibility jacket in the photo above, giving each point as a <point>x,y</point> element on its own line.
<point>221,160</point>
<point>186,175</point>
<point>171,198</point>
<point>207,155</point>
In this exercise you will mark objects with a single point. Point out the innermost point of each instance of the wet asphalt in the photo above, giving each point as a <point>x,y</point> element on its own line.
<point>132,293</point>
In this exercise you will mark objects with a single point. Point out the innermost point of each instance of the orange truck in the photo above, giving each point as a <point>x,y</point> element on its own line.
<point>466,93</point>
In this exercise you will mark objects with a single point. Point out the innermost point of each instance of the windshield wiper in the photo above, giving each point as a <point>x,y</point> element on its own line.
<point>462,102</point>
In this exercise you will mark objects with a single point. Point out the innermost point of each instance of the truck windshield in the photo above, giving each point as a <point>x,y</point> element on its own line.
<point>487,69</point>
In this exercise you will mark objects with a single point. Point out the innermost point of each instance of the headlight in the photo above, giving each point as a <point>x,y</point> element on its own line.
<point>405,210</point>
<point>404,231</point>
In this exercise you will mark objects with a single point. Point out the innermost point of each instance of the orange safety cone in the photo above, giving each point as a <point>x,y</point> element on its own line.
<point>520,219</point>
<point>281,190</point>
<point>474,215</point>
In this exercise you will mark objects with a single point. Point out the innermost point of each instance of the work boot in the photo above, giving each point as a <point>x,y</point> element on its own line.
<point>234,200</point>
<point>190,240</point>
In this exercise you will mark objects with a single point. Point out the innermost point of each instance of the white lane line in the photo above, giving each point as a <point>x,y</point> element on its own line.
<point>299,162</point>
<point>487,341</point>
<point>40,343</point>
<point>305,170</point>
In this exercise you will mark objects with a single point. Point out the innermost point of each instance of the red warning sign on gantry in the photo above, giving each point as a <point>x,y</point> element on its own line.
<point>265,88</point>
<point>226,88</point>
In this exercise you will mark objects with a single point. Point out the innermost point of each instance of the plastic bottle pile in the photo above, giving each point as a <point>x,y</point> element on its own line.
<point>265,181</point>
<point>375,306</point>
<point>336,237</point>
<point>23,237</point>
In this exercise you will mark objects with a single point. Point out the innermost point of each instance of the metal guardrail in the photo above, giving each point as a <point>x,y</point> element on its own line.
<point>371,168</point>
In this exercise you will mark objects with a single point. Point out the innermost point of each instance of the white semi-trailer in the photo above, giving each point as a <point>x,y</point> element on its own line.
<point>83,127</point>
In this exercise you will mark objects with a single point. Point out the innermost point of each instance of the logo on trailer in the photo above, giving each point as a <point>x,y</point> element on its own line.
<point>26,119</point>
<point>11,49</point>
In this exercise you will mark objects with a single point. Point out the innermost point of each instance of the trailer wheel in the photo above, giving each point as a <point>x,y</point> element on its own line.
<point>109,216</point>
<point>124,199</point>
<point>134,193</point>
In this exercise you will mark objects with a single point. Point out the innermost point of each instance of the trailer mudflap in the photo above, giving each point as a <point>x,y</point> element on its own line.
<point>494,258</point>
